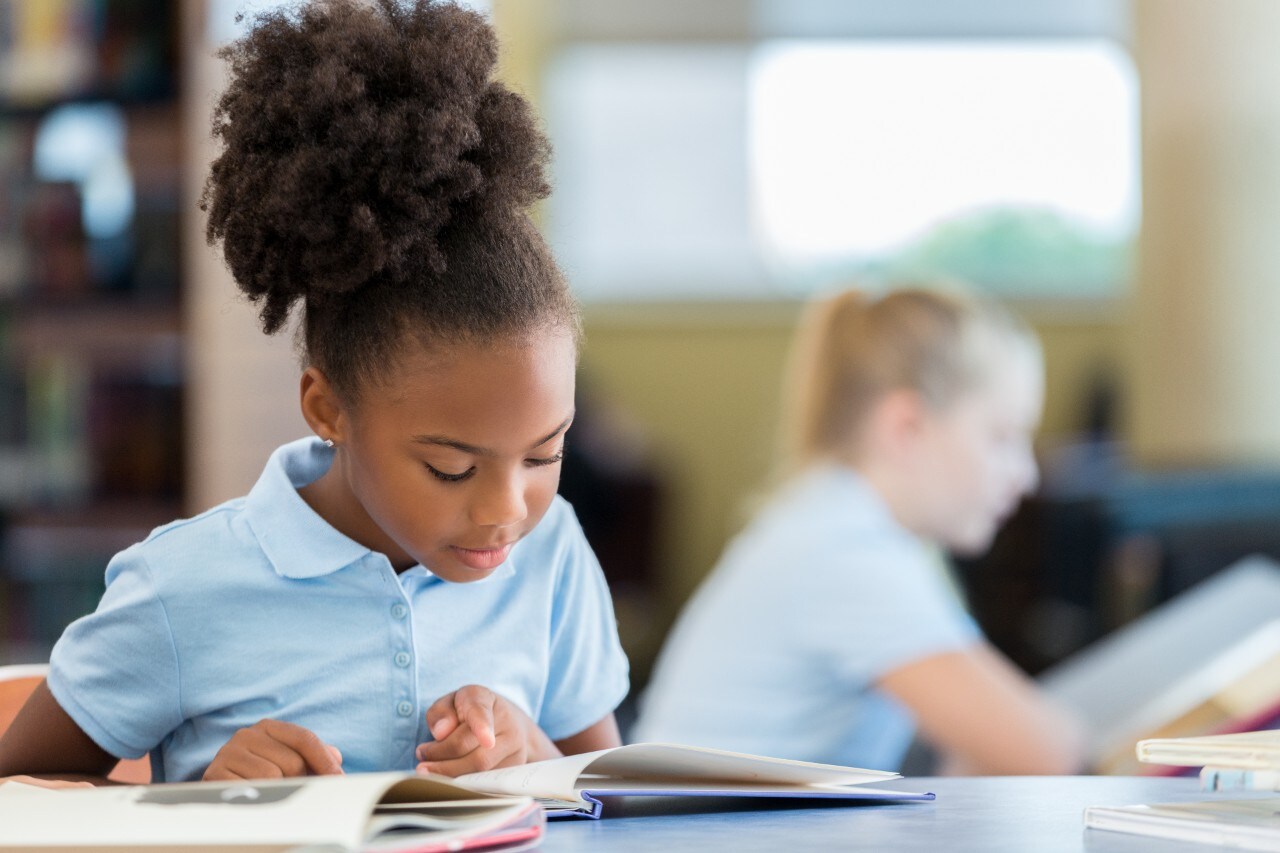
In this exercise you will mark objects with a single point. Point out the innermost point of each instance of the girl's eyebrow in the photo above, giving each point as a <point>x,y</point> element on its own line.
<point>445,441</point>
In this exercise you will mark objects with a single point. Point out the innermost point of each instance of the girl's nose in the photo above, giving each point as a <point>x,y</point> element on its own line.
<point>500,503</point>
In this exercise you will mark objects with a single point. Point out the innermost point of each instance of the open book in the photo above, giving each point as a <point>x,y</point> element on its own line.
<point>572,786</point>
<point>1242,824</point>
<point>1208,661</point>
<point>376,812</point>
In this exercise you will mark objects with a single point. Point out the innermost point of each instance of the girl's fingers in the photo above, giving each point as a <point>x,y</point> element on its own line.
<point>460,743</point>
<point>473,762</point>
<point>320,758</point>
<point>475,708</point>
<point>271,749</point>
<point>442,719</point>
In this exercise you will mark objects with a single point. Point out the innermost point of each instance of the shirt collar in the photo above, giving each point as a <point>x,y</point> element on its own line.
<point>841,485</point>
<point>297,541</point>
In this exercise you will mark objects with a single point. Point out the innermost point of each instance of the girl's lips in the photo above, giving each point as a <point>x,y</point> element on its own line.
<point>482,559</point>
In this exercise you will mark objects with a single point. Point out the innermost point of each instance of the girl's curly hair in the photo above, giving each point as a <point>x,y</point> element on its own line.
<point>373,170</point>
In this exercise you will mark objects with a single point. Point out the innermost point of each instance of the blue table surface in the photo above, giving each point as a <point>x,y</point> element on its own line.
<point>1024,813</point>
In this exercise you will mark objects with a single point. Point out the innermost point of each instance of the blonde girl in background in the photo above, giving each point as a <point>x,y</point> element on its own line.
<point>829,631</point>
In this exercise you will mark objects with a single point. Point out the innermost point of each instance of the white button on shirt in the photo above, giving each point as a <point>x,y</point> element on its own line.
<point>260,609</point>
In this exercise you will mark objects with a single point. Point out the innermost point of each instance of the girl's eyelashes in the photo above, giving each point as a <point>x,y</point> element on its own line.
<point>446,477</point>
<point>450,478</point>
<point>549,460</point>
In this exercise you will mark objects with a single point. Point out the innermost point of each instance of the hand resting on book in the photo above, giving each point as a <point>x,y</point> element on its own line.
<point>476,729</point>
<point>273,749</point>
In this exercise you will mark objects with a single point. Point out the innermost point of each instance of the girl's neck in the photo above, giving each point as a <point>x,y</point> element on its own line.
<point>888,486</point>
<point>333,501</point>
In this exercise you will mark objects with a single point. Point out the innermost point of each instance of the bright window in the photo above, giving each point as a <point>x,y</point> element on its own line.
<point>773,169</point>
<point>1015,165</point>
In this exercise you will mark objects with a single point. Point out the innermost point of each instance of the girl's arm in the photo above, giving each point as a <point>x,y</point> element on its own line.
<point>602,735</point>
<point>44,741</point>
<point>985,716</point>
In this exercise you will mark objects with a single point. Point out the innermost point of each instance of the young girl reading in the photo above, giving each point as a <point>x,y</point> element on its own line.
<point>405,589</point>
<point>828,632</point>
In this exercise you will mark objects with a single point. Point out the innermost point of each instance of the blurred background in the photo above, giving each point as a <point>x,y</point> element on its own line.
<point>1110,168</point>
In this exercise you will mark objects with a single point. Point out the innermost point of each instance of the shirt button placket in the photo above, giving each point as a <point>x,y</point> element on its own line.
<point>403,661</point>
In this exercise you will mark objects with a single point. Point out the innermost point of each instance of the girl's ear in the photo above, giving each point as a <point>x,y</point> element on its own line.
<point>321,406</point>
<point>899,421</point>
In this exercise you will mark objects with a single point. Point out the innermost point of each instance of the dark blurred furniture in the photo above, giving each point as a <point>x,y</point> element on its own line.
<point>1083,558</point>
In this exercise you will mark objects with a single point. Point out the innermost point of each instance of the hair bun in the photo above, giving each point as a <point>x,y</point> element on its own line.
<point>354,133</point>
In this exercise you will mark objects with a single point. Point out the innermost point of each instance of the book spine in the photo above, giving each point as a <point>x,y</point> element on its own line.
<point>1231,779</point>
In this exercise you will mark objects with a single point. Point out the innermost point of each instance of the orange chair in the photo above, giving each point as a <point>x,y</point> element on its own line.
<point>18,681</point>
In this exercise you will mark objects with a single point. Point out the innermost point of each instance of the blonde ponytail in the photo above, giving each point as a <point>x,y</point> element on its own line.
<point>851,349</point>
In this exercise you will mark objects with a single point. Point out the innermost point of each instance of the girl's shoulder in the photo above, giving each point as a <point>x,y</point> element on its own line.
<point>217,535</point>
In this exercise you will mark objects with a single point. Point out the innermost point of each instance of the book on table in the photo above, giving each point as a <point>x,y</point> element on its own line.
<point>573,785</point>
<point>1241,750</point>
<point>1240,824</point>
<point>495,810</point>
<point>374,812</point>
<point>1231,762</point>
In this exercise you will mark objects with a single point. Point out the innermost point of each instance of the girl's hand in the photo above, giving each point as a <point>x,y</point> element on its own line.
<point>476,729</point>
<point>270,749</point>
<point>44,783</point>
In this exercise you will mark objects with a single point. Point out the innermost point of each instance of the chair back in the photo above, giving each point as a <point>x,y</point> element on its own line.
<point>19,681</point>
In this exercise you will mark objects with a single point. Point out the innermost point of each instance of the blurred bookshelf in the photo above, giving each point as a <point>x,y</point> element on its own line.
<point>91,363</point>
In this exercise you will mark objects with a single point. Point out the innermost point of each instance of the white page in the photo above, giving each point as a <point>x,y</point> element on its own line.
<point>315,810</point>
<point>545,780</point>
<point>662,765</point>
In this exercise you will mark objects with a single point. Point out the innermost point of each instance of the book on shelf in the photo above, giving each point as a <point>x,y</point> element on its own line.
<point>381,812</point>
<point>1240,824</point>
<point>573,785</point>
<point>1205,662</point>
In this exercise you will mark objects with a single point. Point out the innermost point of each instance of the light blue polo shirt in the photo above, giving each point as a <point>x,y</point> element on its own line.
<point>779,650</point>
<point>259,608</point>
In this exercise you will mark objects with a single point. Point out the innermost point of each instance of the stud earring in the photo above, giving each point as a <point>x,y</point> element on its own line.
<point>328,442</point>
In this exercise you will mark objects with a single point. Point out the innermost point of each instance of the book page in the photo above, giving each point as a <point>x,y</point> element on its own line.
<point>321,810</point>
<point>662,765</point>
<point>554,779</point>
<point>664,762</point>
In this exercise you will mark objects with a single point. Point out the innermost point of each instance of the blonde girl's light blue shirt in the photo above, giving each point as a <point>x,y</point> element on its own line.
<point>779,651</point>
<point>259,609</point>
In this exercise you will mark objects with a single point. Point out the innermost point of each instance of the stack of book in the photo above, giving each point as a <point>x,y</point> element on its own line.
<point>1246,764</point>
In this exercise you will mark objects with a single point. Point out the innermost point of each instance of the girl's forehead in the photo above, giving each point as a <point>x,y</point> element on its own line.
<point>545,356</point>
<point>480,394</point>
